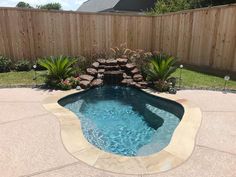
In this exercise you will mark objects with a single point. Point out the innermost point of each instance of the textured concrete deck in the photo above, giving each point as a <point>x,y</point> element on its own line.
<point>30,142</point>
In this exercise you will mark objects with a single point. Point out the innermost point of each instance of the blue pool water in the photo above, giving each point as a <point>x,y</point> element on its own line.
<point>124,120</point>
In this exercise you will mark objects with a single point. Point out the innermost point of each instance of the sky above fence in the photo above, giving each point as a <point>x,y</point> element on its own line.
<point>66,4</point>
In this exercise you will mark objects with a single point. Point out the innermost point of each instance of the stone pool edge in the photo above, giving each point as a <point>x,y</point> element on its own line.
<point>178,151</point>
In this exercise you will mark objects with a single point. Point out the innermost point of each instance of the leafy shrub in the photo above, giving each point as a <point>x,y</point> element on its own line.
<point>23,5</point>
<point>5,64</point>
<point>59,68</point>
<point>69,83</point>
<point>23,65</point>
<point>159,71</point>
<point>50,6</point>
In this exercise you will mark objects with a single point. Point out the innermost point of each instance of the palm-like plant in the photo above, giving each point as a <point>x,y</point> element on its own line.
<point>58,68</point>
<point>160,69</point>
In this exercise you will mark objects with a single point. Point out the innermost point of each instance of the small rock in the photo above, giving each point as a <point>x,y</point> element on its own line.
<point>101,71</point>
<point>143,84</point>
<point>92,71</point>
<point>100,75</point>
<point>124,56</point>
<point>96,82</point>
<point>86,77</point>
<point>101,61</point>
<point>122,61</point>
<point>125,76</point>
<point>84,84</point>
<point>127,81</point>
<point>111,62</point>
<point>101,66</point>
<point>95,64</point>
<point>138,77</point>
<point>135,71</point>
<point>138,86</point>
<point>130,66</point>
<point>110,68</point>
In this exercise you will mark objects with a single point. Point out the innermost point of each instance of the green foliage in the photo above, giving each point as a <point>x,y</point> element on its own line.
<point>50,6</point>
<point>165,6</point>
<point>23,5</point>
<point>5,64</point>
<point>69,83</point>
<point>23,65</point>
<point>59,68</point>
<point>160,69</point>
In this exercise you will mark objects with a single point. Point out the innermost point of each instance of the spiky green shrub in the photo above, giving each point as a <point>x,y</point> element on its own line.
<point>59,68</point>
<point>159,71</point>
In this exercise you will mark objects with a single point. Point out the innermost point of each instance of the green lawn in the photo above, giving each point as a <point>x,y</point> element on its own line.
<point>190,79</point>
<point>21,78</point>
<point>195,79</point>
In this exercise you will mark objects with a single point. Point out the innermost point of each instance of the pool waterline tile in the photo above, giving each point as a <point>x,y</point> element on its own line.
<point>179,149</point>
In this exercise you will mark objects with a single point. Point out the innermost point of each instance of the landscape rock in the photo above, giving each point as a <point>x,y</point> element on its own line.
<point>127,81</point>
<point>111,62</point>
<point>96,82</point>
<point>138,77</point>
<point>92,71</point>
<point>101,70</point>
<point>125,76</point>
<point>122,61</point>
<point>143,84</point>
<point>100,75</point>
<point>135,71</point>
<point>86,77</point>
<point>110,68</point>
<point>95,64</point>
<point>101,61</point>
<point>84,84</point>
<point>130,66</point>
<point>101,66</point>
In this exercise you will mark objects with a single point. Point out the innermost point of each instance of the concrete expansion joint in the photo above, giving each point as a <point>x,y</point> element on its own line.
<point>214,149</point>
<point>25,118</point>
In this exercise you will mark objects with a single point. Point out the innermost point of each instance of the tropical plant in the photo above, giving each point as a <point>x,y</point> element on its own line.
<point>59,68</point>
<point>23,65</point>
<point>159,71</point>
<point>5,64</point>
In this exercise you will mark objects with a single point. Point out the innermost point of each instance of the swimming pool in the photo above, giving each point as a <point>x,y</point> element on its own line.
<point>124,120</point>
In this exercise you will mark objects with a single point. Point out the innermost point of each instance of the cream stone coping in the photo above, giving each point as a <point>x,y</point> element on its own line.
<point>178,151</point>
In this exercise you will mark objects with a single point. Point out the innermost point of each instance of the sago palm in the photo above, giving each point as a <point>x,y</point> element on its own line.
<point>159,71</point>
<point>58,68</point>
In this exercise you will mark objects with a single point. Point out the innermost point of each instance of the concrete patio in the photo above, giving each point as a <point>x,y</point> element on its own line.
<point>30,142</point>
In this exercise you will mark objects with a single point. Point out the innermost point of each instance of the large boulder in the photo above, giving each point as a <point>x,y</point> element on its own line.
<point>138,77</point>
<point>92,71</point>
<point>86,77</point>
<point>96,82</point>
<point>122,61</point>
<point>84,84</point>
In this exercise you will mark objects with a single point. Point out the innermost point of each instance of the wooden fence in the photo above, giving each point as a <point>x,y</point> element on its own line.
<point>203,37</point>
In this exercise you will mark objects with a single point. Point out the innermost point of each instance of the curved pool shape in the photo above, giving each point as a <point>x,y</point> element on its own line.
<point>124,120</point>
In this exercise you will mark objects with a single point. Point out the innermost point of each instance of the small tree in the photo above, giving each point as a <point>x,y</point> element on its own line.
<point>23,5</point>
<point>50,6</point>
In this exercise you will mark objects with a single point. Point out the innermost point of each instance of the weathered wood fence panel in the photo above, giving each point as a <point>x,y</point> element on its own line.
<point>204,37</point>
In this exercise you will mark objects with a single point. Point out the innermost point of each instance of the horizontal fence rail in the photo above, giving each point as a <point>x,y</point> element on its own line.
<point>204,37</point>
